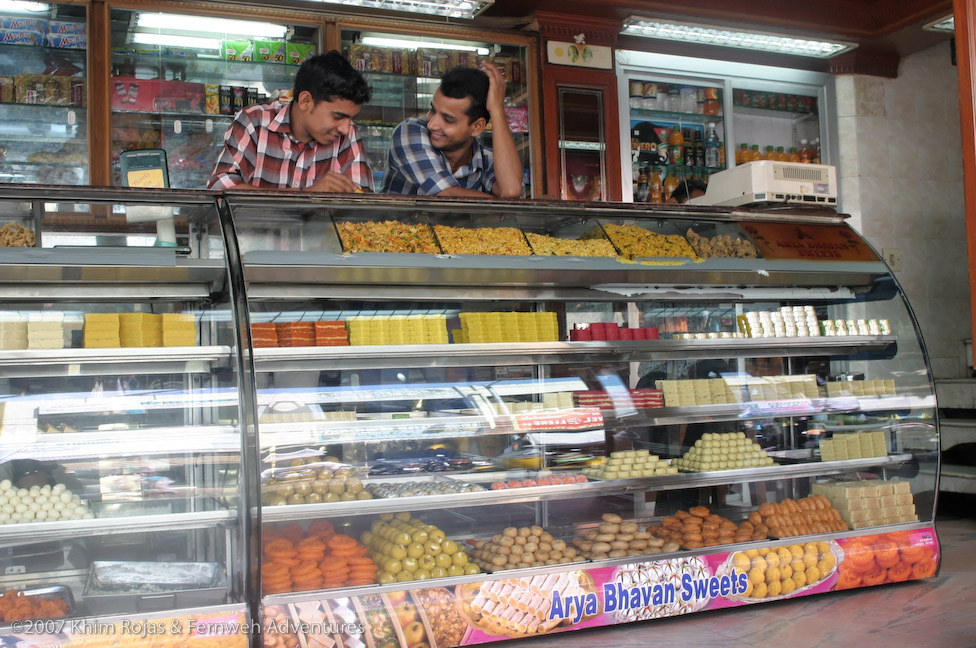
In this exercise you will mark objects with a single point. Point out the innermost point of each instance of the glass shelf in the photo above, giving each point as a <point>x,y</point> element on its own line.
<point>686,118</point>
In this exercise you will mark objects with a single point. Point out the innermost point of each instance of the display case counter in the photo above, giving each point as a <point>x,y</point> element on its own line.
<point>582,429</point>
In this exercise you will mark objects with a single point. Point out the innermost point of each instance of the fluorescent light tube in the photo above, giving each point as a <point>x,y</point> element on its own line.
<point>759,41</point>
<point>380,41</point>
<point>193,42</point>
<point>449,8</point>
<point>20,6</point>
<point>209,25</point>
<point>943,24</point>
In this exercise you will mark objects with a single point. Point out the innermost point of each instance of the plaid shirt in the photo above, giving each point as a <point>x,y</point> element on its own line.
<point>260,150</point>
<point>416,167</point>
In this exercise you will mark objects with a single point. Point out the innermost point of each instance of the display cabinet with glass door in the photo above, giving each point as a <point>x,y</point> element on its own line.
<point>677,134</point>
<point>776,122</point>
<point>121,428</point>
<point>404,71</point>
<point>178,80</point>
<point>581,134</point>
<point>43,93</point>
<point>454,441</point>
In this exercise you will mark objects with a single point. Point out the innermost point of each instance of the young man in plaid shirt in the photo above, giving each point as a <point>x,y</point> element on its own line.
<point>310,144</point>
<point>440,154</point>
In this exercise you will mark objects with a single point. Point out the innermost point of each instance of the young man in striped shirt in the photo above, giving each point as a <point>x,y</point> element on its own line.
<point>440,153</point>
<point>310,144</point>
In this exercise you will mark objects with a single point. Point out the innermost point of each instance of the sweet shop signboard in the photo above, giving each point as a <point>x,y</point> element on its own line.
<point>506,608</point>
<point>808,242</point>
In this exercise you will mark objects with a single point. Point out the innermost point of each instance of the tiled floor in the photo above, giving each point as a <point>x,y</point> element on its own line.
<point>936,613</point>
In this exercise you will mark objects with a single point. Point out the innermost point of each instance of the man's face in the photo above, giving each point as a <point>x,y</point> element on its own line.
<point>449,125</point>
<point>323,121</point>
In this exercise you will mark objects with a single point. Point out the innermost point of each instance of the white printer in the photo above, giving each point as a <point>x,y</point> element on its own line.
<point>771,181</point>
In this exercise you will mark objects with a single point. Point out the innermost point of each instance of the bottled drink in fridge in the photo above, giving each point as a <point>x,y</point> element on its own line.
<point>794,156</point>
<point>770,153</point>
<point>781,154</point>
<point>742,155</point>
<point>815,151</point>
<point>677,141</point>
<point>643,188</point>
<point>804,151</point>
<point>711,146</point>
<point>699,151</point>
<point>656,190</point>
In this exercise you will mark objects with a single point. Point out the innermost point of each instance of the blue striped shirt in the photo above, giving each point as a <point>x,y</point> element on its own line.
<point>416,167</point>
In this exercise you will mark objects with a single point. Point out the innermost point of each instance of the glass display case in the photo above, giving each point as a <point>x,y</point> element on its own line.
<point>177,82</point>
<point>484,421</point>
<point>43,95</point>
<point>397,421</point>
<point>120,437</point>
<point>404,71</point>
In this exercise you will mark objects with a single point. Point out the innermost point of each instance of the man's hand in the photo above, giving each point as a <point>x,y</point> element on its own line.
<point>333,182</point>
<point>496,89</point>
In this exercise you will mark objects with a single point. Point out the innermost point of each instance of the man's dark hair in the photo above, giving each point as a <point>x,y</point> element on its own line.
<point>464,82</point>
<point>684,190</point>
<point>329,77</point>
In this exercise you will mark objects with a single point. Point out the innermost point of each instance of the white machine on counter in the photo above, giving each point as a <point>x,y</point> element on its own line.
<point>770,181</point>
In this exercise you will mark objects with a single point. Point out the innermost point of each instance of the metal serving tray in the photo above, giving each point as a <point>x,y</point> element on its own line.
<point>137,586</point>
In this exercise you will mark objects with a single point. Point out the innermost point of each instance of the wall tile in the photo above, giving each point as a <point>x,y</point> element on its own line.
<point>872,146</point>
<point>906,208</point>
<point>900,99</point>
<point>869,94</point>
<point>902,160</point>
<point>847,136</point>
<point>845,95</point>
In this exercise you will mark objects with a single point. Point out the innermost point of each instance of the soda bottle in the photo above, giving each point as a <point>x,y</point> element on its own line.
<point>689,149</point>
<point>742,155</point>
<point>664,148</point>
<point>815,151</point>
<point>755,155</point>
<point>699,151</point>
<point>670,184</point>
<point>794,156</point>
<point>643,189</point>
<point>656,195</point>
<point>677,141</point>
<point>781,154</point>
<point>770,153</point>
<point>711,146</point>
<point>804,152</point>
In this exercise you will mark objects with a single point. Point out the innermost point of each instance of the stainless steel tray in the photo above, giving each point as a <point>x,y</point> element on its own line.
<point>136,586</point>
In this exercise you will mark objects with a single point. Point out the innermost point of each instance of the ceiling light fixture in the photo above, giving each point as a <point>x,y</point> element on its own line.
<point>22,7</point>
<point>447,8</point>
<point>740,39</point>
<point>224,26</point>
<point>193,42</point>
<point>945,24</point>
<point>380,41</point>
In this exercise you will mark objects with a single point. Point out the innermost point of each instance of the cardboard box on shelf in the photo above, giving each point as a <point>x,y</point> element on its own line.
<point>156,94</point>
<point>20,37</point>
<point>270,51</point>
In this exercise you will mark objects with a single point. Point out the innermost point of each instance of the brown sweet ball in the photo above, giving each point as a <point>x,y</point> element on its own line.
<point>699,511</point>
<point>612,518</point>
<point>691,528</point>
<point>536,531</point>
<point>709,535</point>
<point>693,537</point>
<point>520,540</point>
<point>682,515</point>
<point>506,541</point>
<point>714,519</point>
<point>546,537</point>
<point>525,532</point>
<point>755,517</point>
<point>511,532</point>
<point>672,521</point>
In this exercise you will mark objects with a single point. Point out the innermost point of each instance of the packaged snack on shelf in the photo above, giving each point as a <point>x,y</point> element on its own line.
<point>19,37</point>
<point>27,24</point>
<point>296,53</point>
<point>66,27</point>
<point>269,51</point>
<point>402,62</point>
<point>66,41</point>
<point>6,89</point>
<point>431,63</point>
<point>237,50</point>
